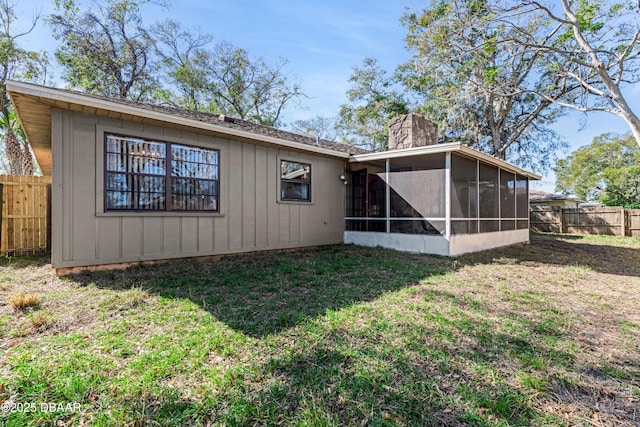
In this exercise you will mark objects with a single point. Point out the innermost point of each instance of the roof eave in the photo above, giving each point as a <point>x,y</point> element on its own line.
<point>443,148</point>
<point>75,98</point>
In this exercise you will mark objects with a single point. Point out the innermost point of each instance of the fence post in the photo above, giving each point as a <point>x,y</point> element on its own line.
<point>48,220</point>
<point>1,193</point>
<point>622,220</point>
<point>562,230</point>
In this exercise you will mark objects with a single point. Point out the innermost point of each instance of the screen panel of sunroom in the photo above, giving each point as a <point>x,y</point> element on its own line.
<point>464,195</point>
<point>417,194</point>
<point>497,200</point>
<point>489,196</point>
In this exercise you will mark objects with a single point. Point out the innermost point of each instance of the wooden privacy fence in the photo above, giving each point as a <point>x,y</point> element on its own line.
<point>615,221</point>
<point>632,222</point>
<point>25,216</point>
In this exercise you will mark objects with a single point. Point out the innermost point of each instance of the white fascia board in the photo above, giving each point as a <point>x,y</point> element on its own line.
<point>407,152</point>
<point>75,98</point>
<point>442,148</point>
<point>498,162</point>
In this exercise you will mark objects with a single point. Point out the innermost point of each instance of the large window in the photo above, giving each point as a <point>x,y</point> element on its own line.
<point>295,181</point>
<point>146,175</point>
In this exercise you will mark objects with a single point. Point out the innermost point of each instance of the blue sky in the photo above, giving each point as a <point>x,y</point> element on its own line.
<point>323,41</point>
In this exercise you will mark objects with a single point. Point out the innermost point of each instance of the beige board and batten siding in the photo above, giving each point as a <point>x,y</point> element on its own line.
<point>251,217</point>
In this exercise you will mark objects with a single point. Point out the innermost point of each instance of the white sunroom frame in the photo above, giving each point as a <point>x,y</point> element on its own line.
<point>447,244</point>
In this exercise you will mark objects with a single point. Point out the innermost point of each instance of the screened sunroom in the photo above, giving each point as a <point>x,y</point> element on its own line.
<point>444,199</point>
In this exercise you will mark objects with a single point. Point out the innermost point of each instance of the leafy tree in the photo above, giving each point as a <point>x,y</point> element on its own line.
<point>607,170</point>
<point>178,49</point>
<point>317,127</point>
<point>107,51</point>
<point>469,76</point>
<point>590,48</point>
<point>372,102</point>
<point>222,78</point>
<point>250,88</point>
<point>16,62</point>
<point>501,71</point>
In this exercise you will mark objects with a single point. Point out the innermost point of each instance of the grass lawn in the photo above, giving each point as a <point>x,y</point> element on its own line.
<point>542,334</point>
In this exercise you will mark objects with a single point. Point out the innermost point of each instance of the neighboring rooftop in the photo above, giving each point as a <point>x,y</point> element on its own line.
<point>33,104</point>
<point>543,196</point>
<point>591,205</point>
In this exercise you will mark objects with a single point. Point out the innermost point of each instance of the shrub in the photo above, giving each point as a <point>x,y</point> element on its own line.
<point>41,322</point>
<point>20,300</point>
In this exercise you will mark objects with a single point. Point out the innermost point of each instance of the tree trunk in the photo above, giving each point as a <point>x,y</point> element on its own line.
<point>634,124</point>
<point>498,149</point>
<point>625,111</point>
<point>619,100</point>
<point>27,161</point>
<point>13,148</point>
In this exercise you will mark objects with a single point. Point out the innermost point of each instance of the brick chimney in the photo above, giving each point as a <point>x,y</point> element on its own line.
<point>411,130</point>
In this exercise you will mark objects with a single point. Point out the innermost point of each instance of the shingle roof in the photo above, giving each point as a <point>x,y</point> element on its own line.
<point>543,196</point>
<point>231,122</point>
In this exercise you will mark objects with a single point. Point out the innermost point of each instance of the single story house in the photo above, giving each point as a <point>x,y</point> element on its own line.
<point>542,198</point>
<point>137,182</point>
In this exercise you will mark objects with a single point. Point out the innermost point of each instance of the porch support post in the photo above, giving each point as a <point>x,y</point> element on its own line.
<point>478,196</point>
<point>447,194</point>
<point>528,207</point>
<point>387,196</point>
<point>500,200</point>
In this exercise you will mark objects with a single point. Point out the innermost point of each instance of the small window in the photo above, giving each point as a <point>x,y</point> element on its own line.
<point>145,175</point>
<point>295,181</point>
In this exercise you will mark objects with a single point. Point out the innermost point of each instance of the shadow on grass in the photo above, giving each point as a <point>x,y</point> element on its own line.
<point>566,250</point>
<point>260,294</point>
<point>455,362</point>
<point>264,293</point>
<point>447,372</point>
<point>25,261</point>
